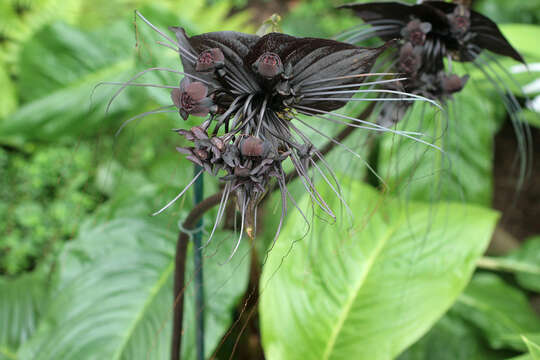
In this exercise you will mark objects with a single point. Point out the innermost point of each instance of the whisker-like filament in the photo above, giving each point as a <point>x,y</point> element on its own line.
<point>159,110</point>
<point>348,77</point>
<point>241,233</point>
<point>310,109</point>
<point>179,195</point>
<point>345,147</point>
<point>130,81</point>
<point>188,54</point>
<point>355,85</point>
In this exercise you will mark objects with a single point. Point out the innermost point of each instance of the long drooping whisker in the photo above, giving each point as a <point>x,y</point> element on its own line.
<point>318,153</point>
<point>344,146</point>
<point>187,53</point>
<point>359,91</point>
<point>310,109</point>
<point>308,185</point>
<point>354,85</point>
<point>512,106</point>
<point>130,81</point>
<point>155,111</point>
<point>371,128</point>
<point>179,195</point>
<point>221,211</point>
<point>168,46</point>
<point>241,233</point>
<point>137,84</point>
<point>346,77</point>
<point>338,193</point>
<point>283,191</point>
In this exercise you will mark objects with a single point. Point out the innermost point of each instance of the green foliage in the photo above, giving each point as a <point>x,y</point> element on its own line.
<point>528,255</point>
<point>500,311</point>
<point>21,304</point>
<point>126,266</point>
<point>352,291</point>
<point>86,273</point>
<point>45,195</point>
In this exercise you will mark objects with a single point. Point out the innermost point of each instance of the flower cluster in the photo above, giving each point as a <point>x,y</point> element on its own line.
<point>252,89</point>
<point>430,33</point>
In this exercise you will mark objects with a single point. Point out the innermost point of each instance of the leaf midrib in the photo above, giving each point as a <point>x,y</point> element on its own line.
<point>356,290</point>
<point>152,295</point>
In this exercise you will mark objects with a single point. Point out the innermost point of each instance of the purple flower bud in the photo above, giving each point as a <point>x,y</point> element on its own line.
<point>416,31</point>
<point>409,59</point>
<point>191,98</point>
<point>252,146</point>
<point>209,60</point>
<point>268,65</point>
<point>453,83</point>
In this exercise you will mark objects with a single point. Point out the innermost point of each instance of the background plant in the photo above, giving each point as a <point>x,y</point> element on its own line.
<point>79,252</point>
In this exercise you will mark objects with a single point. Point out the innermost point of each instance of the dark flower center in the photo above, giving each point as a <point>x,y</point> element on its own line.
<point>269,65</point>
<point>209,59</point>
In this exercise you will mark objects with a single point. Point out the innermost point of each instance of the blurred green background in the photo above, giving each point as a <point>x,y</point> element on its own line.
<point>65,178</point>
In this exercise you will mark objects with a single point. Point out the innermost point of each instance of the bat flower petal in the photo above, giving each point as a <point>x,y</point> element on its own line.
<point>191,98</point>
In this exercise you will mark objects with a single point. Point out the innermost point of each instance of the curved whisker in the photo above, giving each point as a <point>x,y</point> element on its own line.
<point>179,195</point>
<point>355,85</point>
<point>159,110</point>
<point>130,81</point>
<point>369,123</point>
<point>188,54</point>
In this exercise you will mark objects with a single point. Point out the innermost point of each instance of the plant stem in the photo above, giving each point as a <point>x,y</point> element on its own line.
<point>192,220</point>
<point>198,266</point>
<point>180,266</point>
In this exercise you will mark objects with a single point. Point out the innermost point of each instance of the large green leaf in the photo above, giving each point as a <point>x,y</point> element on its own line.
<point>21,303</point>
<point>369,290</point>
<point>462,172</point>
<point>61,68</point>
<point>114,296</point>
<point>529,255</point>
<point>501,311</point>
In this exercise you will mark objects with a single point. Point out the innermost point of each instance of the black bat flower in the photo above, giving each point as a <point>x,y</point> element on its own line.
<point>430,33</point>
<point>252,88</point>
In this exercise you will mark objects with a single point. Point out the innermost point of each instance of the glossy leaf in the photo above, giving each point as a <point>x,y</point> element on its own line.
<point>114,296</point>
<point>22,301</point>
<point>370,289</point>
<point>501,311</point>
<point>61,68</point>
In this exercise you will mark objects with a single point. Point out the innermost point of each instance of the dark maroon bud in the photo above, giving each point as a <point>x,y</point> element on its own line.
<point>268,65</point>
<point>241,171</point>
<point>416,32</point>
<point>252,146</point>
<point>409,59</point>
<point>209,60</point>
<point>453,83</point>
